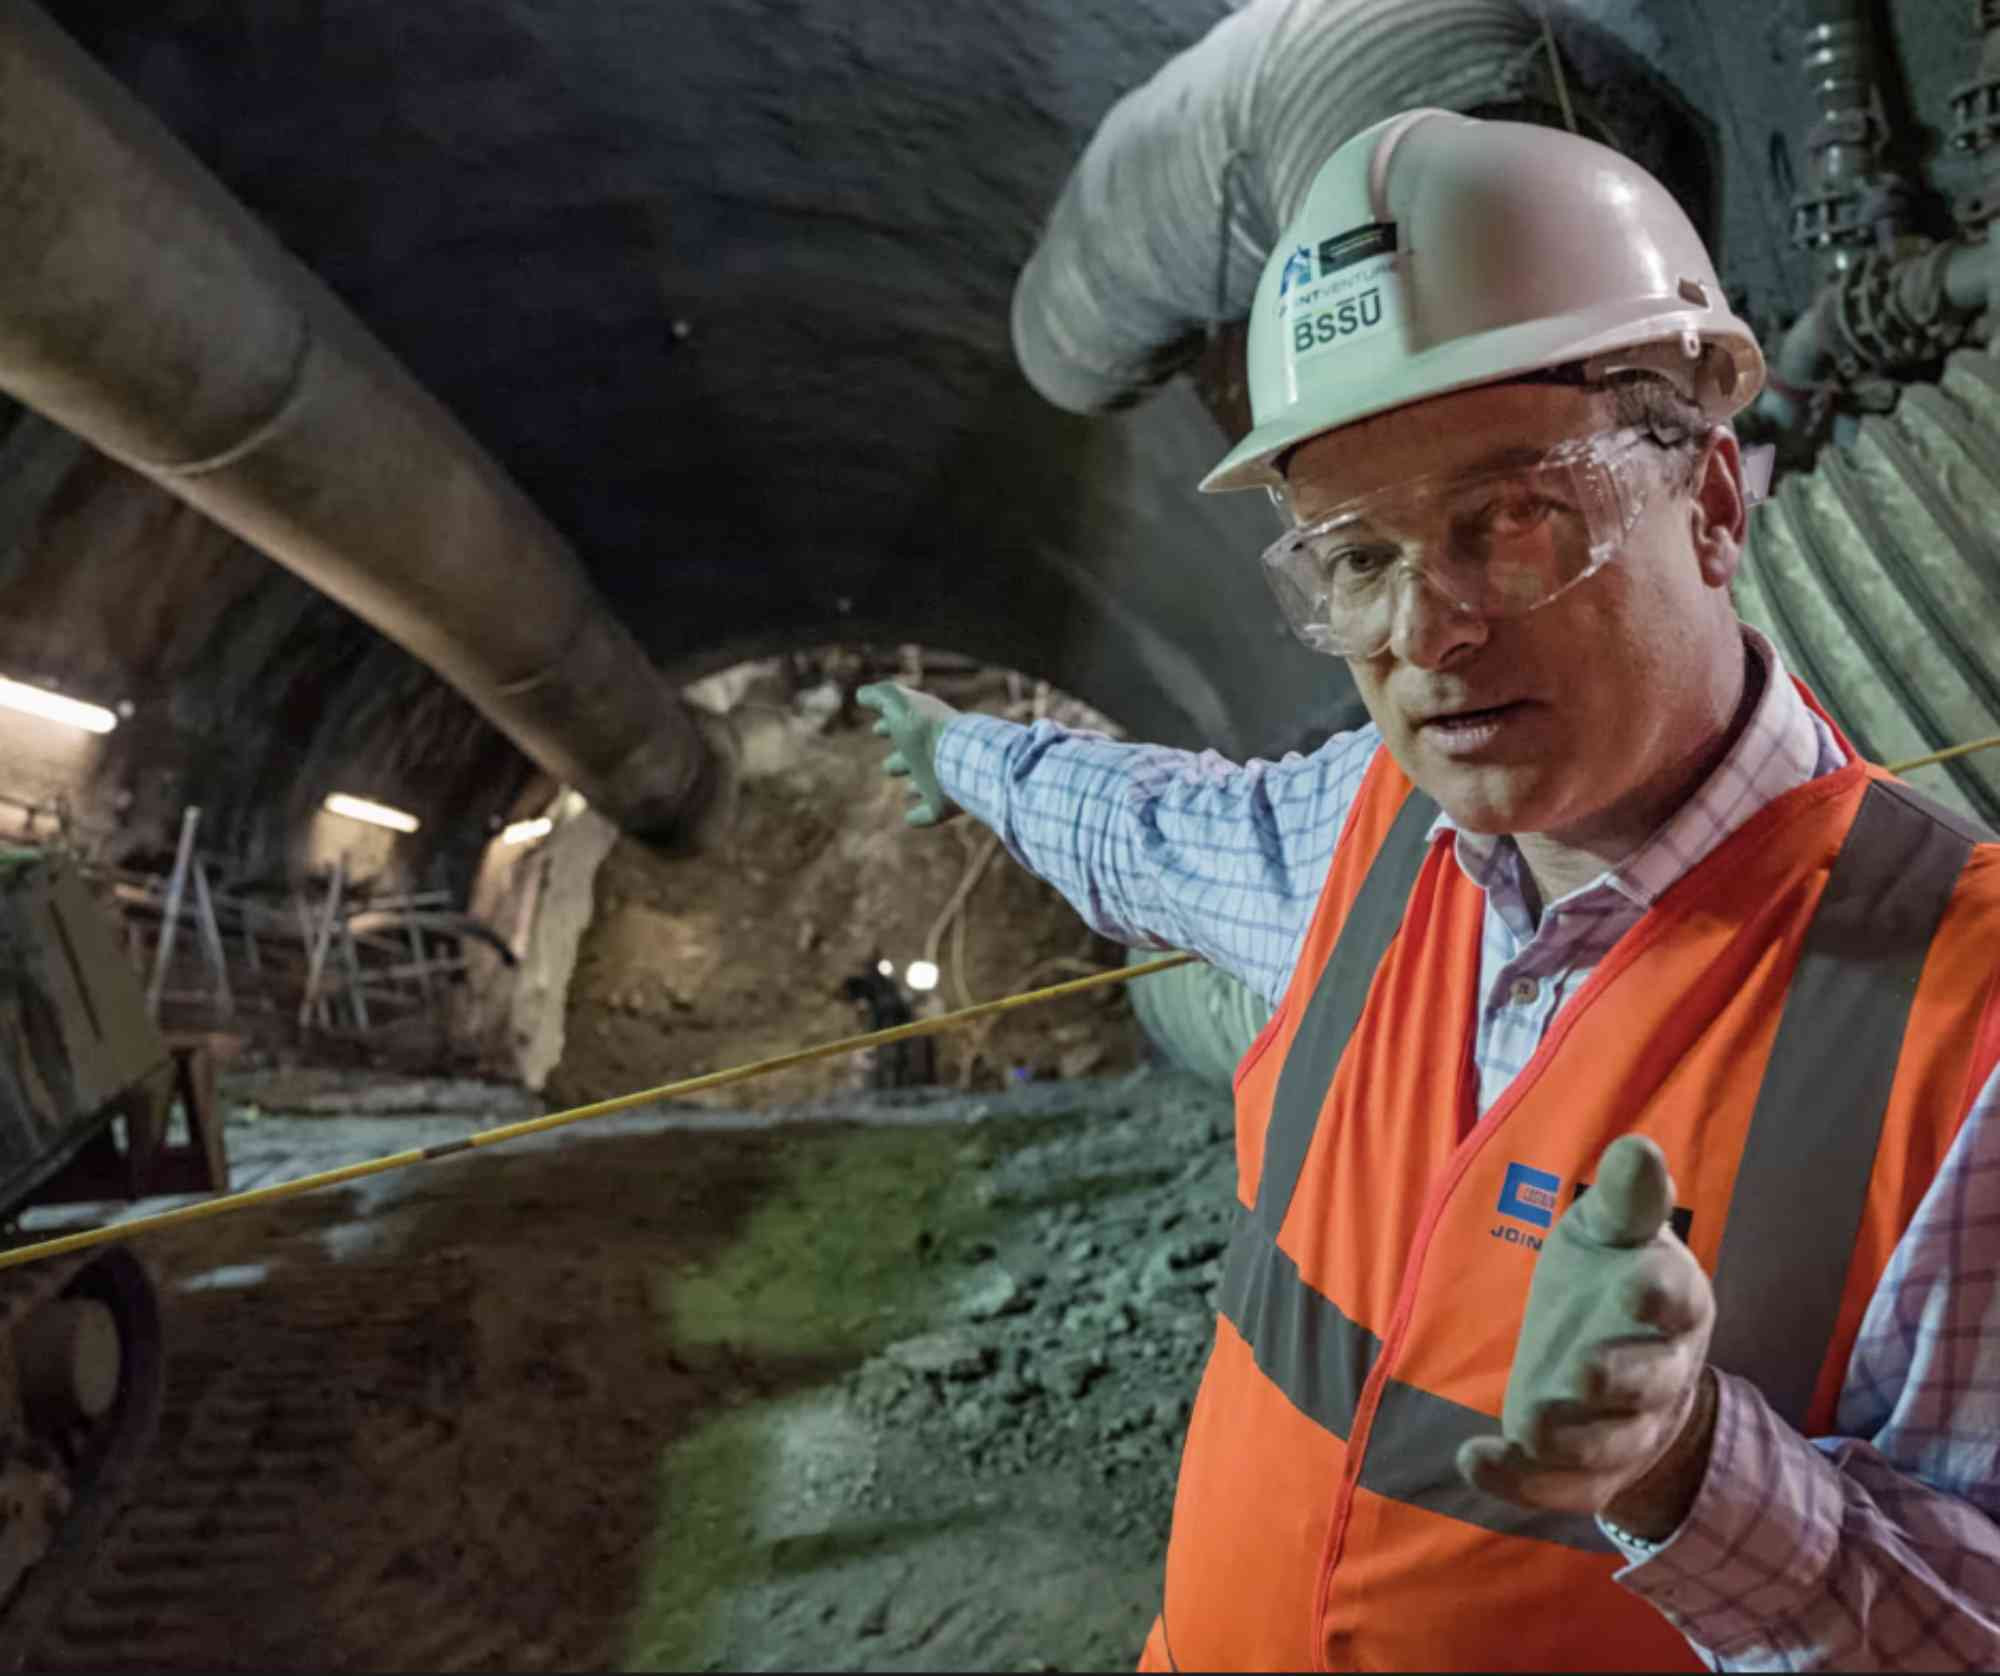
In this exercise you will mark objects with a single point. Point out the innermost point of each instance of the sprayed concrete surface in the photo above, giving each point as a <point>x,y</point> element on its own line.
<point>890,1381</point>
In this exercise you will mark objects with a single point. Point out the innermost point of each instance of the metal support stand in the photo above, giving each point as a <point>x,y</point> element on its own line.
<point>183,857</point>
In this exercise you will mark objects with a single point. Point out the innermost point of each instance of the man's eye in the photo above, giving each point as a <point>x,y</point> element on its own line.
<point>1348,566</point>
<point>1514,514</point>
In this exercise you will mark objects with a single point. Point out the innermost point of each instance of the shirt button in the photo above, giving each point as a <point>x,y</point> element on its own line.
<point>1524,992</point>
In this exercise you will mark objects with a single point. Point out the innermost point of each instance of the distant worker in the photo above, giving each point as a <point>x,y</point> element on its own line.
<point>1618,1278</point>
<point>883,1006</point>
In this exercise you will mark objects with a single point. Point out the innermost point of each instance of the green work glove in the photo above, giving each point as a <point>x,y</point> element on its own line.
<point>913,722</point>
<point>1611,1353</point>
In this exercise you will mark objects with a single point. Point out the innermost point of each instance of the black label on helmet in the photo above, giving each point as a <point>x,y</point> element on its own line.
<point>1343,250</point>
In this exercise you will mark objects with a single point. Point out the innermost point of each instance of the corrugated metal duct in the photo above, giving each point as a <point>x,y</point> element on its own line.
<point>1878,575</point>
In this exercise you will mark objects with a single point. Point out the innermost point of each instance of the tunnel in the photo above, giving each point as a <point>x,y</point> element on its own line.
<point>534,424</point>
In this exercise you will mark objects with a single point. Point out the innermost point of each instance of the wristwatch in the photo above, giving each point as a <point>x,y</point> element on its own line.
<point>1645,1544</point>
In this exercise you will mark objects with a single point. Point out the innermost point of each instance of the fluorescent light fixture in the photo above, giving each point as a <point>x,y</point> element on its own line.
<point>923,975</point>
<point>375,814</point>
<point>53,707</point>
<point>526,832</point>
<point>886,967</point>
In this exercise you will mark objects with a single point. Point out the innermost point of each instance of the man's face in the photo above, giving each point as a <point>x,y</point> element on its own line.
<point>1602,695</point>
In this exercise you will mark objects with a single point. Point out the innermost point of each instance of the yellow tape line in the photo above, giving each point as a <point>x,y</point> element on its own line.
<point>556,1120</point>
<point>666,1091</point>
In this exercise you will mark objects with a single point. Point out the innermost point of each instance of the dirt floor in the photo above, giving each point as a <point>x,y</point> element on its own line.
<point>694,963</point>
<point>890,1381</point>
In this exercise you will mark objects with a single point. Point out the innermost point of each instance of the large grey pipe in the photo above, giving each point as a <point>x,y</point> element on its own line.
<point>147,311</point>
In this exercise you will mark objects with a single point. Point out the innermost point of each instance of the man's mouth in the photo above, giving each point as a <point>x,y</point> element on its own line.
<point>1471,718</point>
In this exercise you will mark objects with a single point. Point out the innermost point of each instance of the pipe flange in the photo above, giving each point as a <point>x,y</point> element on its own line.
<point>1820,219</point>
<point>1893,315</point>
<point>1976,211</point>
<point>1842,128</point>
<point>1975,113</point>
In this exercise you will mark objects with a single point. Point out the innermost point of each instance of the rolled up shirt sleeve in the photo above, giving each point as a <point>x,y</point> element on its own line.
<point>1878,1549</point>
<point>1164,848</point>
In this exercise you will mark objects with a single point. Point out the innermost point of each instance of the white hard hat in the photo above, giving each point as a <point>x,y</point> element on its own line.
<point>1435,252</point>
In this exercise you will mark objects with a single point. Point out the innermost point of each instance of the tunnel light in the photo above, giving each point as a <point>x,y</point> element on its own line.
<point>526,832</point>
<point>53,707</point>
<point>923,976</point>
<point>886,967</point>
<point>375,814</point>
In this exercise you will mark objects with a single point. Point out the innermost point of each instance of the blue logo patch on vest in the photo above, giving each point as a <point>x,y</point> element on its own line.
<point>1529,1195</point>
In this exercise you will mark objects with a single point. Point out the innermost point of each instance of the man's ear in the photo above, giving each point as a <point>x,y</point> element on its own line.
<point>1719,514</point>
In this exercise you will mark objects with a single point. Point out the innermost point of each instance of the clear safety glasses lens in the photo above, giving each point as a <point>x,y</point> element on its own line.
<point>1493,544</point>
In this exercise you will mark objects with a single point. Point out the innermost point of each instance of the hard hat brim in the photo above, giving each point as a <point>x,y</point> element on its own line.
<point>1467,363</point>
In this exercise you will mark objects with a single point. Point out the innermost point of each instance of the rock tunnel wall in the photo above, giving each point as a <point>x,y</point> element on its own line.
<point>725,288</point>
<point>726,293</point>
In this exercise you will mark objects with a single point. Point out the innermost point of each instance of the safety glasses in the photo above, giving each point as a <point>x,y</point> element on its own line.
<point>1497,543</point>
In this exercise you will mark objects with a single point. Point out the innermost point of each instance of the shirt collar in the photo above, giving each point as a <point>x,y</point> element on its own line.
<point>1783,746</point>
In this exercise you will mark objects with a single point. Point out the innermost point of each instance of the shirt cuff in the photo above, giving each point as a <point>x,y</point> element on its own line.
<point>1755,1547</point>
<point>971,764</point>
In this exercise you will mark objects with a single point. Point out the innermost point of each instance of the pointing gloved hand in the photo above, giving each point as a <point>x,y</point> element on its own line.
<point>913,722</point>
<point>1609,1404</point>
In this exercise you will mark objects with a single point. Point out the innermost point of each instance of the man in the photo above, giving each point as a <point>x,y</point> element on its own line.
<point>1616,1285</point>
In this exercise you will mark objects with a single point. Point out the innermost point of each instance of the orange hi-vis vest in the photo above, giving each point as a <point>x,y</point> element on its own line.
<point>1801,1022</point>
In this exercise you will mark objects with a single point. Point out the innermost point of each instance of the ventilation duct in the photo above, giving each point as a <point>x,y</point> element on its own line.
<point>1878,575</point>
<point>146,311</point>
<point>1197,1015</point>
<point>1164,225</point>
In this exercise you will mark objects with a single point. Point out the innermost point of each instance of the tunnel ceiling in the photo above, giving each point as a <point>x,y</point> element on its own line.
<point>725,287</point>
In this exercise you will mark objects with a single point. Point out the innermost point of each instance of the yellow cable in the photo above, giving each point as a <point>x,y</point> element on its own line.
<point>556,1120</point>
<point>691,1085</point>
<point>1945,756</point>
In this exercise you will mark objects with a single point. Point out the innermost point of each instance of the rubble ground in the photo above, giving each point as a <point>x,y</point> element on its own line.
<point>890,1381</point>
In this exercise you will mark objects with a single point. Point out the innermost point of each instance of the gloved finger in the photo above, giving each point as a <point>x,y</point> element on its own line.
<point>1483,1461</point>
<point>1633,1195</point>
<point>1576,1441</point>
<point>875,695</point>
<point>1670,1296</point>
<point>922,815</point>
<point>1629,1378</point>
<point>883,730</point>
<point>1503,1470</point>
<point>893,763</point>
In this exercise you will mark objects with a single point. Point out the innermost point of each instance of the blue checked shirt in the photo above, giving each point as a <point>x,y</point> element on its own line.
<point>1875,1549</point>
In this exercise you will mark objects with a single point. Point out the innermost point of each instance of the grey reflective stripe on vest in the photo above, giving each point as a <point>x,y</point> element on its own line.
<point>1302,1342</point>
<point>1335,1008</point>
<point>1803,1183</point>
<point>1827,1080</point>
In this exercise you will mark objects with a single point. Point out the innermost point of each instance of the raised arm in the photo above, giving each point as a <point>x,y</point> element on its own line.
<point>1152,846</point>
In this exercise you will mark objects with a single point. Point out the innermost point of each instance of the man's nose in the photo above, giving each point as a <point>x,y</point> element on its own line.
<point>1428,626</point>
